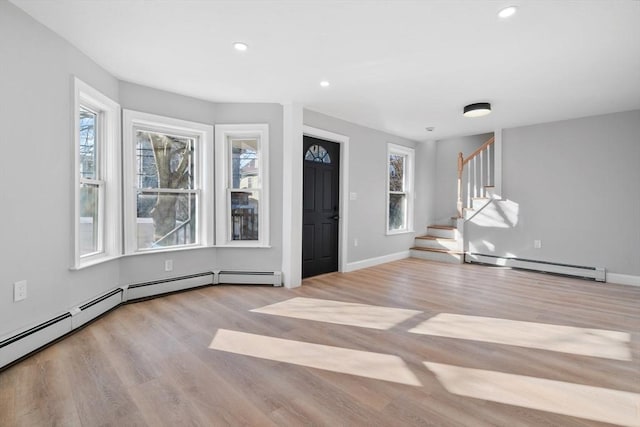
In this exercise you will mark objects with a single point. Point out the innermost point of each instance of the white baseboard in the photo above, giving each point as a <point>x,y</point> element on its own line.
<point>370,262</point>
<point>623,279</point>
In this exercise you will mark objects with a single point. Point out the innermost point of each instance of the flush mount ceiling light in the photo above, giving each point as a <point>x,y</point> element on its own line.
<point>240,46</point>
<point>324,83</point>
<point>478,109</point>
<point>507,12</point>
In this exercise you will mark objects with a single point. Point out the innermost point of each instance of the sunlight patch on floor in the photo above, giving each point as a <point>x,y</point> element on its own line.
<point>336,359</point>
<point>564,339</point>
<point>593,403</point>
<point>339,312</point>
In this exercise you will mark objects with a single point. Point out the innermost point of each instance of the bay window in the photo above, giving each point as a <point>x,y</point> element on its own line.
<point>97,176</point>
<point>242,185</point>
<point>168,194</point>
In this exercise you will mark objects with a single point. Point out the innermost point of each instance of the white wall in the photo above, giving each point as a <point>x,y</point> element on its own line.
<point>426,168</point>
<point>446,185</point>
<point>36,176</point>
<point>574,185</point>
<point>367,177</point>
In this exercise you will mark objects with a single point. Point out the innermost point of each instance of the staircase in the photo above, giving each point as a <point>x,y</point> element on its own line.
<point>445,242</point>
<point>441,243</point>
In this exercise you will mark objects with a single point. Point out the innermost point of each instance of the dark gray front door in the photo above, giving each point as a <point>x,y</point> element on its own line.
<point>320,207</point>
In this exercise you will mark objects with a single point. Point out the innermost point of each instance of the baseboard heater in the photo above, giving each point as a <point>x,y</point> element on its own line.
<point>164,286</point>
<point>21,344</point>
<point>13,348</point>
<point>273,278</point>
<point>25,342</point>
<point>596,273</point>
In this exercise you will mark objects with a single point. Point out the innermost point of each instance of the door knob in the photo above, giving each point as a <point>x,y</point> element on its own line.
<point>336,217</point>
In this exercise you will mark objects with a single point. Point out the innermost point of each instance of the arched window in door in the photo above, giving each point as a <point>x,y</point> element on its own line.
<point>317,153</point>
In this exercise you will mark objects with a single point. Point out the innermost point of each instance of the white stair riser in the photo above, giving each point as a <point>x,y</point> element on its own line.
<point>447,234</point>
<point>438,256</point>
<point>451,245</point>
<point>478,204</point>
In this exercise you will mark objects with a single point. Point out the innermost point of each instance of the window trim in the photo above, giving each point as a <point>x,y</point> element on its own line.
<point>108,182</point>
<point>409,154</point>
<point>224,132</point>
<point>203,179</point>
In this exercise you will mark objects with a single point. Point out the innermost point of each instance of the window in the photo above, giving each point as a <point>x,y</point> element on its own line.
<point>97,172</point>
<point>399,189</point>
<point>317,153</point>
<point>242,201</point>
<point>168,196</point>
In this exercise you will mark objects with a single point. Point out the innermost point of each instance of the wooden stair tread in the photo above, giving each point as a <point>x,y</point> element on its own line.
<point>442,227</point>
<point>442,251</point>
<point>429,237</point>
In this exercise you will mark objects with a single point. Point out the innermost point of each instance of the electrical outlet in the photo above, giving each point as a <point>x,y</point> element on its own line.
<point>353,196</point>
<point>168,265</point>
<point>355,242</point>
<point>20,290</point>
<point>537,244</point>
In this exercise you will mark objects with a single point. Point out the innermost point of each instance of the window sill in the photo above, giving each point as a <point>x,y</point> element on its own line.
<point>394,233</point>
<point>169,249</point>
<point>256,246</point>
<point>94,261</point>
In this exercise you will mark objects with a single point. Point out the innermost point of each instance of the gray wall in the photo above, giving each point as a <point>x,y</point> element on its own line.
<point>446,185</point>
<point>426,167</point>
<point>36,176</point>
<point>574,185</point>
<point>137,268</point>
<point>367,177</point>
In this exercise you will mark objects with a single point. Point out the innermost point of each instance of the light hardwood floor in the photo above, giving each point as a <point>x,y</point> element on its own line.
<point>159,362</point>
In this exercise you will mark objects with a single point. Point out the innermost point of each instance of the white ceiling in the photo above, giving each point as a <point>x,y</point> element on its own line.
<point>397,66</point>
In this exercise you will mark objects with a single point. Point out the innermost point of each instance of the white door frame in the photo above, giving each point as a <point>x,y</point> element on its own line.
<point>343,141</point>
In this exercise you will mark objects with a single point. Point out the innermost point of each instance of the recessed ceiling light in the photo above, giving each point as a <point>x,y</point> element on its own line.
<point>324,83</point>
<point>507,12</point>
<point>240,46</point>
<point>478,109</point>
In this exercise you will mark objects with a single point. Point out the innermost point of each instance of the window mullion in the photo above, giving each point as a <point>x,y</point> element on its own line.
<point>195,192</point>
<point>87,181</point>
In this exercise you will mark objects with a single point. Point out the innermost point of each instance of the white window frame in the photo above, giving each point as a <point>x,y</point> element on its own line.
<point>203,179</point>
<point>108,168</point>
<point>224,134</point>
<point>409,154</point>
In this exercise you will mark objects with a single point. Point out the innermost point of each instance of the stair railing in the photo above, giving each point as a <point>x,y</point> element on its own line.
<point>479,175</point>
